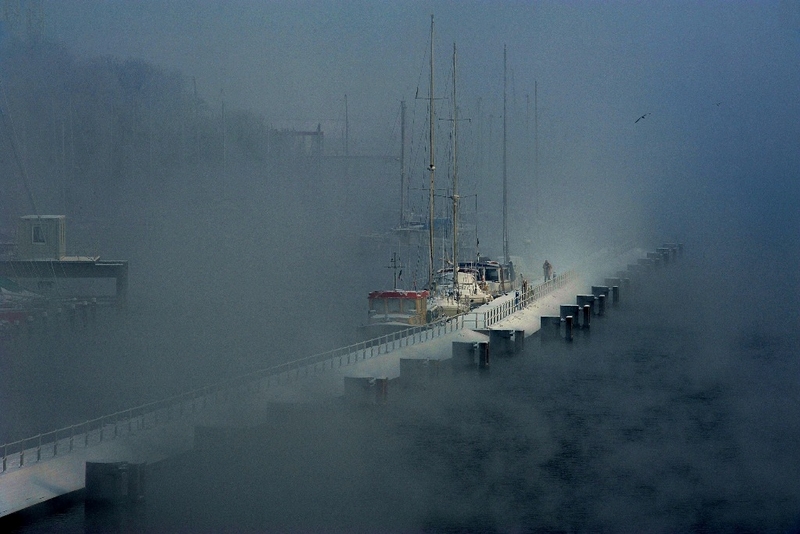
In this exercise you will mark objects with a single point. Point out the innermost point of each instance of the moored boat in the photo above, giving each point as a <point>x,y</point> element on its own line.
<point>17,303</point>
<point>398,309</point>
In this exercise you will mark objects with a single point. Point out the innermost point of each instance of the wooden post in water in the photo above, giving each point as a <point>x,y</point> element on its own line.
<point>483,356</point>
<point>568,326</point>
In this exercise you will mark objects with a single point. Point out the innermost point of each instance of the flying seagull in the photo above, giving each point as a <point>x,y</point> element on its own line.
<point>640,118</point>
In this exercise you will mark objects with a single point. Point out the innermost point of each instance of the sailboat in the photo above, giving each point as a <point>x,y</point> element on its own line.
<point>499,277</point>
<point>397,309</point>
<point>453,289</point>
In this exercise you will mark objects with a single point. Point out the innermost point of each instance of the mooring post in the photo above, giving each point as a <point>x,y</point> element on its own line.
<point>568,309</point>
<point>583,300</point>
<point>549,326</point>
<point>463,356</point>
<point>502,342</point>
<point>483,356</point>
<point>519,341</point>
<point>601,301</point>
<point>587,313</point>
<point>568,328</point>
<point>615,294</point>
<point>381,390</point>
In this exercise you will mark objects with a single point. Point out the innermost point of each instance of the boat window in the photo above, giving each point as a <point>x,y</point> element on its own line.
<point>38,234</point>
<point>394,305</point>
<point>445,278</point>
<point>376,305</point>
<point>492,275</point>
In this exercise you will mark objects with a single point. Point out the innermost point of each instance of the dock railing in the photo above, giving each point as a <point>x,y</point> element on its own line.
<point>184,406</point>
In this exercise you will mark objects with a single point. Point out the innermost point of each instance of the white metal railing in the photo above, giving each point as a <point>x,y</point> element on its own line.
<point>23,452</point>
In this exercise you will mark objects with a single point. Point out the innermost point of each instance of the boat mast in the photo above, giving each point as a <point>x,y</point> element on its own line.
<point>395,264</point>
<point>536,162</point>
<point>346,129</point>
<point>455,174</point>
<point>403,214</point>
<point>432,169</point>
<point>505,172</point>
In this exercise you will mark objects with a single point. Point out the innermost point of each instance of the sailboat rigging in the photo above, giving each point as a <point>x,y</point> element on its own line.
<point>451,290</point>
<point>432,169</point>
<point>498,278</point>
<point>456,290</point>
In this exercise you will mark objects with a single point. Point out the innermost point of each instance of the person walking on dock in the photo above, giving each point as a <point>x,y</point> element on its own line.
<point>548,270</point>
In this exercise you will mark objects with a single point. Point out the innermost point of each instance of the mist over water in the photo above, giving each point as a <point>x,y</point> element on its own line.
<point>672,415</point>
<point>676,412</point>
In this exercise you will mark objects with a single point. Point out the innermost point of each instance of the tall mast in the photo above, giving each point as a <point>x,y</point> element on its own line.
<point>432,169</point>
<point>403,215</point>
<point>536,160</point>
<point>346,129</point>
<point>455,174</point>
<point>505,173</point>
<point>224,139</point>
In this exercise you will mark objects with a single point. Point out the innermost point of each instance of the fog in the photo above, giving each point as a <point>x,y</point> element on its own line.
<point>166,132</point>
<point>682,419</point>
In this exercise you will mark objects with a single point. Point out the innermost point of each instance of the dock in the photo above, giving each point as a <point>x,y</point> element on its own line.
<point>43,467</point>
<point>71,267</point>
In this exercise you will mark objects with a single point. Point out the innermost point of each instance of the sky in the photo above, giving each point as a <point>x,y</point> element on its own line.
<point>716,82</point>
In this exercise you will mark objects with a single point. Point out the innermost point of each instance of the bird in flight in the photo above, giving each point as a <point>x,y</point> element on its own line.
<point>640,118</point>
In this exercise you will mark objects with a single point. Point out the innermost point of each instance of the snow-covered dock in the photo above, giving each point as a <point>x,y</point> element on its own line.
<point>47,466</point>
